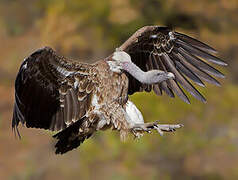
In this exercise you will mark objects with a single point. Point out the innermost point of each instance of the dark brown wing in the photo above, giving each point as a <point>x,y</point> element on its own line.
<point>50,91</point>
<point>154,47</point>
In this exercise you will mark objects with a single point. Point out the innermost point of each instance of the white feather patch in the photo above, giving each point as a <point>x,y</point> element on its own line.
<point>118,57</point>
<point>114,66</point>
<point>25,63</point>
<point>101,124</point>
<point>24,66</point>
<point>64,71</point>
<point>121,56</point>
<point>76,83</point>
<point>135,116</point>
<point>95,102</point>
<point>171,36</point>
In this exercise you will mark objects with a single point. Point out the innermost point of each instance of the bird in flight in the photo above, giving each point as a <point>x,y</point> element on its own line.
<point>77,99</point>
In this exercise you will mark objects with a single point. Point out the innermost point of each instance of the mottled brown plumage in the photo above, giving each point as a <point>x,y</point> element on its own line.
<point>77,99</point>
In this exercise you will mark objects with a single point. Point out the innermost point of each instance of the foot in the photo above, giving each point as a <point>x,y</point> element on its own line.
<point>139,129</point>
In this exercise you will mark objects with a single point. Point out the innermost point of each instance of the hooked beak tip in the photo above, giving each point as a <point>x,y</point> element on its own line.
<point>171,75</point>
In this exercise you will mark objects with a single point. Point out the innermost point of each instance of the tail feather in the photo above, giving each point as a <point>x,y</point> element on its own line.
<point>70,137</point>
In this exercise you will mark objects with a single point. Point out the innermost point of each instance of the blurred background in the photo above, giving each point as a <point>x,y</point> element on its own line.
<point>87,30</point>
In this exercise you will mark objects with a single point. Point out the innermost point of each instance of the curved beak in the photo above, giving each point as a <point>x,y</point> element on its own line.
<point>170,75</point>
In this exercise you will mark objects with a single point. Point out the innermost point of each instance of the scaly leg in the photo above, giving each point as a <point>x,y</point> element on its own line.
<point>139,129</point>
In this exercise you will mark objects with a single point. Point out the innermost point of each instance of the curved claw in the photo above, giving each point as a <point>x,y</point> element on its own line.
<point>167,128</point>
<point>139,129</point>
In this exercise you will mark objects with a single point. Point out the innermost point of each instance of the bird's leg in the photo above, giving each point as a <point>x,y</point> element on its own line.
<point>139,129</point>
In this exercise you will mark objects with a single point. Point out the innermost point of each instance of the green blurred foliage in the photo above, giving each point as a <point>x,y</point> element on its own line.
<point>206,148</point>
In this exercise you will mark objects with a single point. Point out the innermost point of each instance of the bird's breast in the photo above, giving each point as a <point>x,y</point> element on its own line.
<point>112,86</point>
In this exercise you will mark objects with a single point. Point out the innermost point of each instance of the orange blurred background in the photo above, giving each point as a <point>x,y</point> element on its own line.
<point>87,30</point>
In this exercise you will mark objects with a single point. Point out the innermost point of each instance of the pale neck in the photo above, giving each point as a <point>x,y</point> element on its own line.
<point>137,73</point>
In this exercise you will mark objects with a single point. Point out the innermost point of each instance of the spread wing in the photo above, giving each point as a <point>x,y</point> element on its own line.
<point>153,47</point>
<point>51,92</point>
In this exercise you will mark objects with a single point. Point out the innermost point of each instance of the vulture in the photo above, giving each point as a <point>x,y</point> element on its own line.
<point>77,99</point>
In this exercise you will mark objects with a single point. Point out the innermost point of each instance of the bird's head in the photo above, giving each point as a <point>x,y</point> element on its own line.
<point>158,76</point>
<point>121,56</point>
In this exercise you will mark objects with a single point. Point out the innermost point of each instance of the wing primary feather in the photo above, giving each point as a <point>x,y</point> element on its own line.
<point>185,70</point>
<point>52,124</point>
<point>159,65</point>
<point>177,89</point>
<point>173,85</point>
<point>181,79</point>
<point>200,73</point>
<point>168,91</point>
<point>15,123</point>
<point>157,89</point>
<point>189,74</point>
<point>201,64</point>
<point>194,42</point>
<point>200,53</point>
<point>19,114</point>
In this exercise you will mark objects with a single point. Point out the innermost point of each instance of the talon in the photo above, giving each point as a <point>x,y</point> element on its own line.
<point>169,127</point>
<point>159,131</point>
<point>139,129</point>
